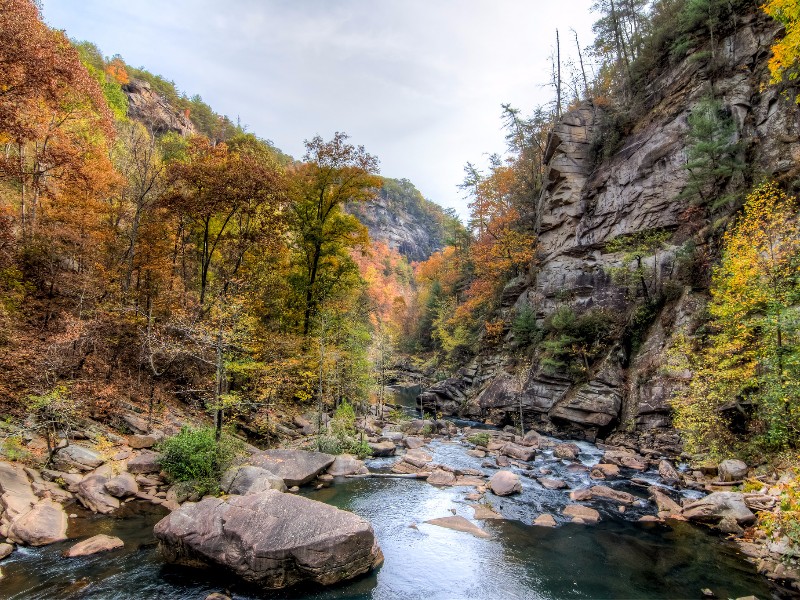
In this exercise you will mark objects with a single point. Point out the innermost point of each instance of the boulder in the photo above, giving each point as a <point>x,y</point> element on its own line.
<point>666,505</point>
<point>141,441</point>
<point>122,486</point>
<point>137,425</point>
<point>475,453</point>
<point>552,484</point>
<point>69,481</point>
<point>519,452</point>
<point>441,477</point>
<point>295,467</point>
<point>459,524</point>
<point>566,451</point>
<point>580,495</point>
<point>250,480</point>
<point>93,494</point>
<point>45,523</point>
<point>606,493</point>
<point>347,464</point>
<point>77,457</point>
<point>418,458</point>
<point>545,520</point>
<point>531,439</point>
<point>93,545</point>
<point>144,462</point>
<point>580,513</point>
<point>5,550</point>
<point>668,473</point>
<point>717,506</point>
<point>484,512</point>
<point>413,442</point>
<point>272,539</point>
<point>16,492</point>
<point>505,483</point>
<point>386,448</point>
<point>608,470</point>
<point>732,470</point>
<point>625,458</point>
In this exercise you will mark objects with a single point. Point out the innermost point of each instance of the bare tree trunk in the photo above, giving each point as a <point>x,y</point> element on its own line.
<point>558,80</point>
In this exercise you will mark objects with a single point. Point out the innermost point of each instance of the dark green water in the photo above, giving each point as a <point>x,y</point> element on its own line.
<point>617,558</point>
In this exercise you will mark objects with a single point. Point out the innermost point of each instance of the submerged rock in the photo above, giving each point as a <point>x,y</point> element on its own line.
<point>275,540</point>
<point>459,524</point>
<point>545,520</point>
<point>295,467</point>
<point>581,514</point>
<point>93,545</point>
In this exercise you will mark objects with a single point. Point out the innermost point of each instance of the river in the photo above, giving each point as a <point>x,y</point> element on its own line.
<point>617,558</point>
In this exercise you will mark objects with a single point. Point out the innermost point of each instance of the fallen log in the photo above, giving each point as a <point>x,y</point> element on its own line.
<point>391,475</point>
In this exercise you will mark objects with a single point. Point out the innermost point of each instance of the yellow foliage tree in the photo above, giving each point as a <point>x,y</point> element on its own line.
<point>786,51</point>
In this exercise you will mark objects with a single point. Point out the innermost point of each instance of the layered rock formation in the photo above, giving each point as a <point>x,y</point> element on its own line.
<point>586,204</point>
<point>152,109</point>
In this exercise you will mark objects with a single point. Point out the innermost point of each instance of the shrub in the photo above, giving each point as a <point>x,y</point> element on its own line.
<point>195,455</point>
<point>526,332</point>
<point>479,439</point>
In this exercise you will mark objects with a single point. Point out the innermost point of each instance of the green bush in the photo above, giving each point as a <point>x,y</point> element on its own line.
<point>479,439</point>
<point>195,455</point>
<point>524,328</point>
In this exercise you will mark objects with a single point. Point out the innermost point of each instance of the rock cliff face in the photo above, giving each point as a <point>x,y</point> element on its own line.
<point>403,219</point>
<point>584,206</point>
<point>155,111</point>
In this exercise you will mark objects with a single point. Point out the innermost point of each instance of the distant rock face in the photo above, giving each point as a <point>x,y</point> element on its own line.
<point>272,539</point>
<point>403,219</point>
<point>147,106</point>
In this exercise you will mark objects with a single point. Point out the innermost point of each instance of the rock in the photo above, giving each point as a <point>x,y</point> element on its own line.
<point>607,493</point>
<point>386,448</point>
<point>531,439</point>
<point>729,525</point>
<point>545,520</point>
<point>245,480</point>
<point>295,467</point>
<point>502,460</point>
<point>418,458</point>
<point>664,503</point>
<point>476,453</point>
<point>122,486</point>
<point>68,481</point>
<point>649,519</point>
<point>144,462</point>
<point>732,470</point>
<point>441,477</point>
<point>140,441</point>
<point>584,513</point>
<point>346,464</point>
<point>459,524</point>
<point>715,507</point>
<point>217,596</point>
<point>566,451</point>
<point>45,523</point>
<point>16,492</point>
<point>525,453</point>
<point>77,457</point>
<point>93,494</point>
<point>93,545</point>
<point>608,470</point>
<point>668,473</point>
<point>413,442</point>
<point>275,540</point>
<point>155,111</point>
<point>580,495</point>
<point>5,550</point>
<point>505,483</point>
<point>627,459</point>
<point>552,483</point>
<point>484,512</point>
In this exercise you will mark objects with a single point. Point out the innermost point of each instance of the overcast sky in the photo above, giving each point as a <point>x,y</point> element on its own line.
<point>418,82</point>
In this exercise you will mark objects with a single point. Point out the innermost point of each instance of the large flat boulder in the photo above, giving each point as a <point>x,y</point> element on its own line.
<point>457,523</point>
<point>16,492</point>
<point>45,523</point>
<point>93,545</point>
<point>250,480</point>
<point>295,467</point>
<point>272,539</point>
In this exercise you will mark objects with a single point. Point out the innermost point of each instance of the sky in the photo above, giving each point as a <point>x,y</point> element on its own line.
<point>419,83</point>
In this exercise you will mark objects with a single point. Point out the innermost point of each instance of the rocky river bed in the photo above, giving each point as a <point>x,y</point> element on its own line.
<point>458,539</point>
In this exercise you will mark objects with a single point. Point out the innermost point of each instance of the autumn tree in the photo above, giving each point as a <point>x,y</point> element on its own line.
<point>783,65</point>
<point>751,363</point>
<point>334,173</point>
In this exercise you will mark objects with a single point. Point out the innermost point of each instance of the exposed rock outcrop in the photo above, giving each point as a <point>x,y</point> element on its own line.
<point>152,109</point>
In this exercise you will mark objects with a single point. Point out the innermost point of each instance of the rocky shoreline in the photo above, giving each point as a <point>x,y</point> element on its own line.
<point>644,486</point>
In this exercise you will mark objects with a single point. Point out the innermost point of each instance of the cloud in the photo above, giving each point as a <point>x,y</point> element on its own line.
<point>419,83</point>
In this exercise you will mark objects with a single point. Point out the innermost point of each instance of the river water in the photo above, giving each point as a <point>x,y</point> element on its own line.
<point>617,558</point>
